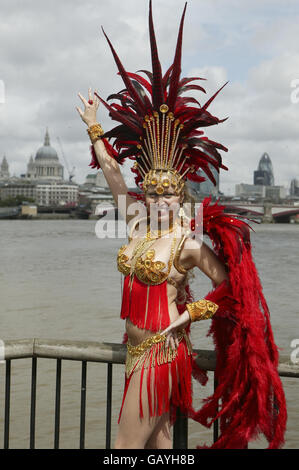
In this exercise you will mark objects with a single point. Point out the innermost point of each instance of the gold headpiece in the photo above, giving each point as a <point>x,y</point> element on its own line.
<point>161,154</point>
<point>159,129</point>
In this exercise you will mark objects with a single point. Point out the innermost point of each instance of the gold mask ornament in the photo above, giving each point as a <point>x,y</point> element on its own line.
<point>161,154</point>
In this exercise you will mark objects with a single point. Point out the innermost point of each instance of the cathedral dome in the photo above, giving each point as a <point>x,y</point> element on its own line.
<point>46,165</point>
<point>46,152</point>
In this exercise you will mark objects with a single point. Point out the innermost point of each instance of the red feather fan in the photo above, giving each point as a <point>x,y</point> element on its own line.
<point>249,398</point>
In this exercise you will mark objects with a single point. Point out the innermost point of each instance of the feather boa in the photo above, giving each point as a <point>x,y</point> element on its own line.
<point>249,398</point>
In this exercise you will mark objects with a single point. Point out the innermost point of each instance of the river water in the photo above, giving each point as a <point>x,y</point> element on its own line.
<point>59,281</point>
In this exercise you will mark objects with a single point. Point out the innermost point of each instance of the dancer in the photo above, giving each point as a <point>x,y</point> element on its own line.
<point>162,132</point>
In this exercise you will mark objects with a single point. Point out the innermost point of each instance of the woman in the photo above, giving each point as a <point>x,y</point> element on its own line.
<point>153,431</point>
<point>160,132</point>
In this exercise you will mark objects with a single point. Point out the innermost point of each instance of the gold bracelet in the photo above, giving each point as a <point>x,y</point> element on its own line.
<point>95,132</point>
<point>202,310</point>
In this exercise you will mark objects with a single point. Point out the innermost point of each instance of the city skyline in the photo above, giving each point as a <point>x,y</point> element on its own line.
<point>205,184</point>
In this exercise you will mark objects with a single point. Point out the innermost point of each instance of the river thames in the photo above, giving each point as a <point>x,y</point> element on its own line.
<point>59,281</point>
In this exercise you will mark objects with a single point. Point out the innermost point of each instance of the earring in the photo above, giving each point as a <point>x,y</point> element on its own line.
<point>181,215</point>
<point>181,212</point>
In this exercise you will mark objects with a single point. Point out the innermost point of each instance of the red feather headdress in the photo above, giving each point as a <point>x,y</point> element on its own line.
<point>160,129</point>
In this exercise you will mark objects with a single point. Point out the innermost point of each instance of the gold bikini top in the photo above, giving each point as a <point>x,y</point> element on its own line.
<point>148,270</point>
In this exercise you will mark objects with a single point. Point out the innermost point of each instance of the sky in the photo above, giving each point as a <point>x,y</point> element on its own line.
<point>50,51</point>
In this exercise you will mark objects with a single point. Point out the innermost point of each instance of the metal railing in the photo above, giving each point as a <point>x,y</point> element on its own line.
<point>109,353</point>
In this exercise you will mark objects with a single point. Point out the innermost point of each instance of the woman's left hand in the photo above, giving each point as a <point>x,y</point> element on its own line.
<point>171,330</point>
<point>89,115</point>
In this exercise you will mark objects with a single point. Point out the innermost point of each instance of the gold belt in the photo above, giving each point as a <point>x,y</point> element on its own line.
<point>144,354</point>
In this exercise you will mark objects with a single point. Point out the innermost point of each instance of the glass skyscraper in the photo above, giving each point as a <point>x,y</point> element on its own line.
<point>264,174</point>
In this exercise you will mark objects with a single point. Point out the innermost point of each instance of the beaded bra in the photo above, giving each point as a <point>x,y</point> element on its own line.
<point>148,270</point>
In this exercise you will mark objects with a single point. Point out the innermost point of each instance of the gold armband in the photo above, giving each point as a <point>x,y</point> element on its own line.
<point>95,132</point>
<point>201,310</point>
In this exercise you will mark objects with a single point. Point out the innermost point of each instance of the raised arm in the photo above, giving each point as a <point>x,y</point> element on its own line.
<point>109,166</point>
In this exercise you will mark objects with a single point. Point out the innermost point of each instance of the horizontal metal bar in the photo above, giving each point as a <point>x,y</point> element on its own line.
<point>109,352</point>
<point>18,349</point>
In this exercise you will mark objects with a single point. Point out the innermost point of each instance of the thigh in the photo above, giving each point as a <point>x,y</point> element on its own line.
<point>134,431</point>
<point>170,381</point>
<point>161,435</point>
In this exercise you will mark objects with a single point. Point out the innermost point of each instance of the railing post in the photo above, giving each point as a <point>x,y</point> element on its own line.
<point>7,403</point>
<point>33,403</point>
<point>57,404</point>
<point>216,423</point>
<point>108,405</point>
<point>83,405</point>
<point>180,431</point>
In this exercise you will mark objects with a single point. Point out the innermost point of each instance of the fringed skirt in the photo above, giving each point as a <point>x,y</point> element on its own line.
<point>168,377</point>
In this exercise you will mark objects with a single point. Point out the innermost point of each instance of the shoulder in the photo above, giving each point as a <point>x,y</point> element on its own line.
<point>188,241</point>
<point>191,244</point>
<point>194,252</point>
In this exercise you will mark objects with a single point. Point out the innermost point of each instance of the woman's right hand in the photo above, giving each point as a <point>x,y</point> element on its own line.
<point>171,331</point>
<point>89,115</point>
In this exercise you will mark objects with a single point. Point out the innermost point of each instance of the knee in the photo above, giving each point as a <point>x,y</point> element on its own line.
<point>121,443</point>
<point>159,443</point>
<point>160,438</point>
<point>151,445</point>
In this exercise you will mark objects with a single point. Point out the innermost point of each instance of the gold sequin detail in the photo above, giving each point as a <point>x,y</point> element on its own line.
<point>147,270</point>
<point>95,132</point>
<point>202,309</point>
<point>152,351</point>
<point>161,149</point>
<point>122,259</point>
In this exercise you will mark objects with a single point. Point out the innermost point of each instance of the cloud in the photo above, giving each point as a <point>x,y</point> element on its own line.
<point>262,118</point>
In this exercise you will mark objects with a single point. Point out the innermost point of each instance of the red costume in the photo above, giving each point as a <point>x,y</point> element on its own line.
<point>249,397</point>
<point>145,303</point>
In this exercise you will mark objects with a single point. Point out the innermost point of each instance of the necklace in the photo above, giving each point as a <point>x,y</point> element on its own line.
<point>144,245</point>
<point>150,235</point>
